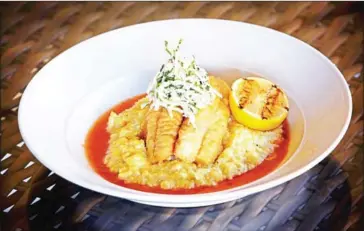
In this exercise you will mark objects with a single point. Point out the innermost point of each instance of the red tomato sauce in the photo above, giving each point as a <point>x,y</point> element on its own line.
<point>97,143</point>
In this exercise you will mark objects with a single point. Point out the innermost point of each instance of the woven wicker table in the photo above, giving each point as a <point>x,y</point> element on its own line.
<point>32,198</point>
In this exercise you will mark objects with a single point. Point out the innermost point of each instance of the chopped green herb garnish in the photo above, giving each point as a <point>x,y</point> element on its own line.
<point>180,85</point>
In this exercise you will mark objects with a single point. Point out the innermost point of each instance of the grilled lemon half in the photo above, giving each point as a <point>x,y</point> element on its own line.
<point>258,103</point>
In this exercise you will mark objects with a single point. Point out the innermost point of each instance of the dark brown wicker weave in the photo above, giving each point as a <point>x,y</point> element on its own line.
<point>325,198</point>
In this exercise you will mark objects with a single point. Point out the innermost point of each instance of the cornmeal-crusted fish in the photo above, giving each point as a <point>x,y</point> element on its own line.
<point>212,145</point>
<point>161,133</point>
<point>190,138</point>
<point>222,87</point>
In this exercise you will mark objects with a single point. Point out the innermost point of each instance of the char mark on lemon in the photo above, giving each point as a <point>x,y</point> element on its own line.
<point>246,92</point>
<point>272,102</point>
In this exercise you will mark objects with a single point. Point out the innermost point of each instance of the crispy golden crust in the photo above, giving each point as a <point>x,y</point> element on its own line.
<point>222,87</point>
<point>166,134</point>
<point>212,144</point>
<point>190,139</point>
<point>143,129</point>
<point>161,134</point>
<point>151,124</point>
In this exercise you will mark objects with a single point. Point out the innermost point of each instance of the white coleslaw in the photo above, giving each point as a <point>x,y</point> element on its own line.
<point>181,85</point>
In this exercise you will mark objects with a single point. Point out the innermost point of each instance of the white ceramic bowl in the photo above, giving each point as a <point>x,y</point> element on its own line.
<point>70,92</point>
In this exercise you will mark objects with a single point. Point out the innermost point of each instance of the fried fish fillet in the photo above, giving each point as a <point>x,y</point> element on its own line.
<point>192,140</point>
<point>161,132</point>
<point>222,87</point>
<point>212,144</point>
